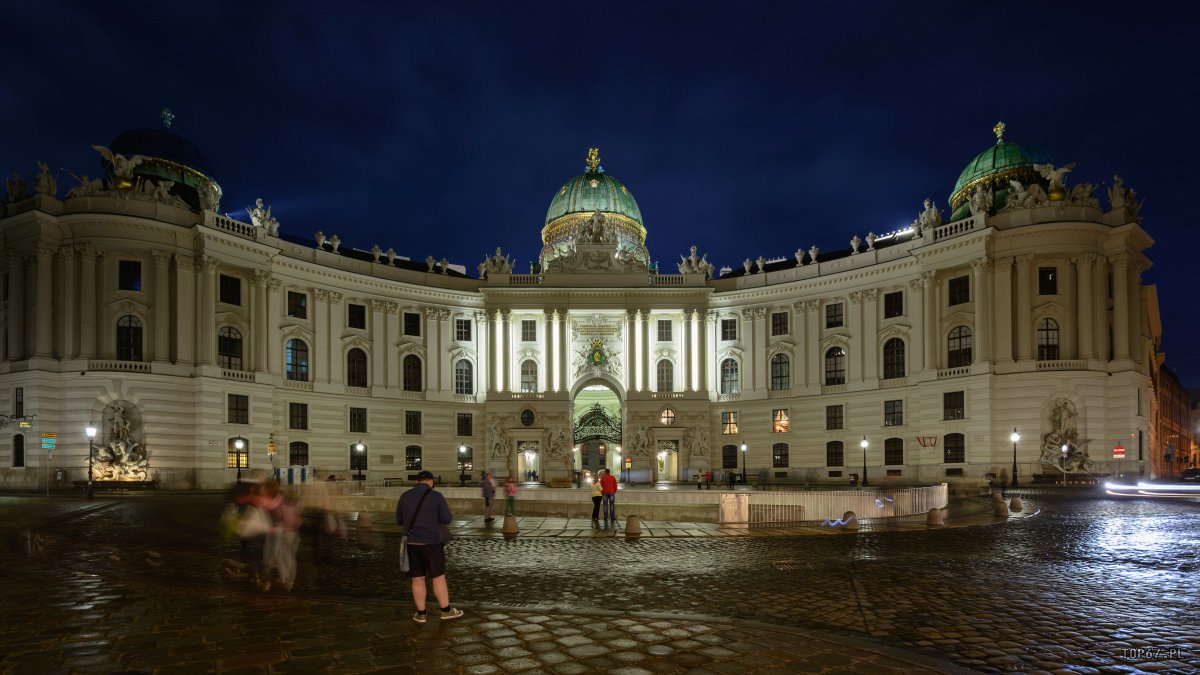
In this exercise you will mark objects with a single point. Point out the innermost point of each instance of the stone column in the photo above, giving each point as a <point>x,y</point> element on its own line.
<point>162,306</point>
<point>1121,305</point>
<point>207,310</point>
<point>274,362</point>
<point>644,327</point>
<point>506,377</point>
<point>1004,309</point>
<point>871,346</point>
<point>1084,302</point>
<point>933,337</point>
<point>812,347</point>
<point>1022,317</point>
<point>87,301</point>
<point>437,352</point>
<point>261,281</point>
<point>550,350</point>
<point>685,362</point>
<point>983,317</point>
<point>758,352</point>
<point>185,309</point>
<point>710,352</point>
<point>379,344</point>
<point>858,341</point>
<point>330,343</point>
<point>483,348</point>
<point>43,339</point>
<point>321,321</point>
<point>495,345</point>
<point>630,357</point>
<point>16,306</point>
<point>69,321</point>
<point>915,305</point>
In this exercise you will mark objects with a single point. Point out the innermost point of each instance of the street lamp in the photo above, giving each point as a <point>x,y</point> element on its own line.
<point>864,445</point>
<point>359,448</point>
<point>91,435</point>
<point>744,448</point>
<point>462,465</point>
<point>239,445</point>
<point>1065,449</point>
<point>1014,437</point>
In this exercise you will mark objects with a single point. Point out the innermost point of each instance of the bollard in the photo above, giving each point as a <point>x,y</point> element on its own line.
<point>510,529</point>
<point>850,521</point>
<point>1001,509</point>
<point>1015,505</point>
<point>997,496</point>
<point>633,526</point>
<point>934,519</point>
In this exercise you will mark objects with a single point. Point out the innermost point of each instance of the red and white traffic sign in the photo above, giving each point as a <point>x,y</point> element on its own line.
<point>1119,452</point>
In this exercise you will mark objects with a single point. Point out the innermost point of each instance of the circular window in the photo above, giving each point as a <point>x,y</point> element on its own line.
<point>527,417</point>
<point>668,417</point>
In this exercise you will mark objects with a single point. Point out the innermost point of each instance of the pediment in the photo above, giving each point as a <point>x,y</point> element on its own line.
<point>128,306</point>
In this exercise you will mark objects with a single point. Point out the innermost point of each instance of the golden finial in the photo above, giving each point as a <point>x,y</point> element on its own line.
<point>999,131</point>
<point>593,160</point>
<point>167,117</point>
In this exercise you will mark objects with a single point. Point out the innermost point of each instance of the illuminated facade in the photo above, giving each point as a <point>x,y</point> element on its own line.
<point>131,304</point>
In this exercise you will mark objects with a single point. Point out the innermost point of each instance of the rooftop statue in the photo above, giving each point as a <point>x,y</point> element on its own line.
<point>931,217</point>
<point>87,186</point>
<point>495,264</point>
<point>1024,197</point>
<point>210,197</point>
<point>261,216</point>
<point>694,265</point>
<point>45,184</point>
<point>1081,195</point>
<point>122,166</point>
<point>1053,175</point>
<point>981,200</point>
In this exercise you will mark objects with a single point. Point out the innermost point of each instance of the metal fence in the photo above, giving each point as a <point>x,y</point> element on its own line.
<point>792,507</point>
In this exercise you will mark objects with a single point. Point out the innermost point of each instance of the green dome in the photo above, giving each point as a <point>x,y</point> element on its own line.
<point>997,165</point>
<point>591,192</point>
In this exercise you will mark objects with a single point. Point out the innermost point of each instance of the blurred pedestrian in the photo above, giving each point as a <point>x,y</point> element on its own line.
<point>597,496</point>
<point>421,512</point>
<point>608,490</point>
<point>487,488</point>
<point>708,479</point>
<point>510,497</point>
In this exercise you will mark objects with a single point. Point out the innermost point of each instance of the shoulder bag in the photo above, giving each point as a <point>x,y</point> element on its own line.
<point>404,566</point>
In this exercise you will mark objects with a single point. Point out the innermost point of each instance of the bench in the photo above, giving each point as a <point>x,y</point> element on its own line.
<point>98,485</point>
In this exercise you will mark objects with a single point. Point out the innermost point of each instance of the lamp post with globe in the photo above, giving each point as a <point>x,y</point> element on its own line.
<point>864,445</point>
<point>359,449</point>
<point>744,448</point>
<point>91,436</point>
<point>1014,438</point>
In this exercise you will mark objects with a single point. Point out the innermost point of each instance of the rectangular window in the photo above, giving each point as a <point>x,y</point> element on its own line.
<point>297,305</point>
<point>779,421</point>
<point>412,458</point>
<point>528,330</point>
<point>728,329</point>
<point>779,323</point>
<point>236,457</point>
<point>239,409</point>
<point>19,401</point>
<point>729,423</point>
<point>356,316</point>
<point>729,458</point>
<point>834,317</point>
<point>129,275</point>
<point>664,330</point>
<point>462,330</point>
<point>953,405</point>
<point>779,456</point>
<point>412,422</point>
<point>412,324</point>
<point>297,415</point>
<point>893,413</point>
<point>466,424</point>
<point>954,449</point>
<point>358,420</point>
<point>893,452</point>
<point>358,458</point>
<point>833,417</point>
<point>835,454</point>
<point>893,304</point>
<point>960,290</point>
<point>298,453</point>
<point>231,290</point>
<point>1047,281</point>
<point>18,451</point>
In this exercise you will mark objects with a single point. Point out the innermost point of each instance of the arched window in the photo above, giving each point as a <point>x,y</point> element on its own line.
<point>18,450</point>
<point>229,348</point>
<point>729,457</point>
<point>464,377</point>
<point>893,359</point>
<point>297,453</point>
<point>893,451</point>
<point>666,375</point>
<point>835,454</point>
<point>413,379</point>
<point>412,457</point>
<point>297,360</point>
<point>729,376</point>
<point>129,338</point>
<point>1047,340</point>
<point>781,372</point>
<point>835,366</point>
<point>779,456</point>
<point>954,449</point>
<point>356,368</point>
<point>529,376</point>
<point>959,348</point>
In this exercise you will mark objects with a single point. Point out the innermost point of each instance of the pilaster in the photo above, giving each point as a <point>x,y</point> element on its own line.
<point>43,343</point>
<point>983,309</point>
<point>162,306</point>
<point>68,322</point>
<point>1023,315</point>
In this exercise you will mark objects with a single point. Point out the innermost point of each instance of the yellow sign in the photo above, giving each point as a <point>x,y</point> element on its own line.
<point>49,434</point>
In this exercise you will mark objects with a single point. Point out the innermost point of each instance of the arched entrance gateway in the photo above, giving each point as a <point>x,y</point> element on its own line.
<point>596,427</point>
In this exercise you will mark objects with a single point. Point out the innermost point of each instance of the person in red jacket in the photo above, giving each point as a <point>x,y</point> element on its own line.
<point>608,492</point>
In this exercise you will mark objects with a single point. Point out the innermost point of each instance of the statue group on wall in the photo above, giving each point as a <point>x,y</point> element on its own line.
<point>120,456</point>
<point>260,216</point>
<point>693,265</point>
<point>495,264</point>
<point>695,439</point>
<point>1064,431</point>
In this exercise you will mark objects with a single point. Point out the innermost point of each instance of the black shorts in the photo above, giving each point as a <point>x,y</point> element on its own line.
<point>426,560</point>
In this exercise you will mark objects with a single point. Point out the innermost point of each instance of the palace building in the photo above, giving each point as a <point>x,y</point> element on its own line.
<point>200,348</point>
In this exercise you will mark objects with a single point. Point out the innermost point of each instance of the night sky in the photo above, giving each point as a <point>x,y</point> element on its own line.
<point>744,128</point>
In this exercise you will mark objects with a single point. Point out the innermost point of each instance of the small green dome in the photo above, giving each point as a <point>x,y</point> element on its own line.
<point>997,165</point>
<point>591,192</point>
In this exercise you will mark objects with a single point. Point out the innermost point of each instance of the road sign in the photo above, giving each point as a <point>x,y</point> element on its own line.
<point>1119,452</point>
<point>49,434</point>
<point>48,444</point>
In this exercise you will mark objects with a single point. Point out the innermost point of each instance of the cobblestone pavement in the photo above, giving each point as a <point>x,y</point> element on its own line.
<point>1090,585</point>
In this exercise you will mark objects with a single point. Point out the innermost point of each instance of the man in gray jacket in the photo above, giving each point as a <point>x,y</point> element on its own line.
<point>424,510</point>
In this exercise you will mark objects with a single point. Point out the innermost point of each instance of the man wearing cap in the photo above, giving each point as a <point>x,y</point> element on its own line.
<point>424,510</point>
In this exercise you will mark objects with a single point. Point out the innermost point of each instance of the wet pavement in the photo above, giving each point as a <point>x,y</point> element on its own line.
<point>1088,585</point>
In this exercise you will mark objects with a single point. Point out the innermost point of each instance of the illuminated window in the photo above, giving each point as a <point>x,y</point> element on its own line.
<point>728,329</point>
<point>729,425</point>
<point>779,421</point>
<point>297,360</point>
<point>529,376</point>
<point>667,417</point>
<point>664,330</point>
